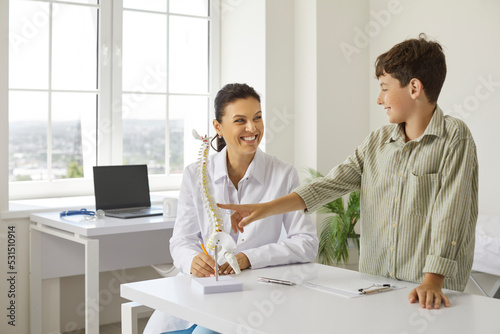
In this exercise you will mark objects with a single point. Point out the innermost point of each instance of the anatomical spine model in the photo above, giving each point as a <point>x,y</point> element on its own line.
<point>217,236</point>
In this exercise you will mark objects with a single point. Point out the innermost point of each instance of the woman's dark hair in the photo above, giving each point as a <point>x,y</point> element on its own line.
<point>415,58</point>
<point>228,94</point>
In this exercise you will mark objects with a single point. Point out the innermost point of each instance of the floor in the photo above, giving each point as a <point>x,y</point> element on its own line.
<point>114,328</point>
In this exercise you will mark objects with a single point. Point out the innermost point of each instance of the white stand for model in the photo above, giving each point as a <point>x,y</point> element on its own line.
<point>216,284</point>
<point>206,285</point>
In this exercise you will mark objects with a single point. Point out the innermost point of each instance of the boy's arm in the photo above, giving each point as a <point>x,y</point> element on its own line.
<point>455,211</point>
<point>341,180</point>
<point>247,213</point>
<point>301,242</point>
<point>453,224</point>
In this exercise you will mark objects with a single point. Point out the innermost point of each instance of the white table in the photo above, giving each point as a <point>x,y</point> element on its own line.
<point>271,308</point>
<point>88,233</point>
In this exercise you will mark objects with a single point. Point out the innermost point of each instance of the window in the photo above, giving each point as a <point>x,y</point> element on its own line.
<point>99,82</point>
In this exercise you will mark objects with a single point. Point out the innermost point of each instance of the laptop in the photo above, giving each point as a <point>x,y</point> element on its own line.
<point>123,191</point>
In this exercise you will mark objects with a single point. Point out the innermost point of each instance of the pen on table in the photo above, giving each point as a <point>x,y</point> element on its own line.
<point>379,289</point>
<point>374,285</point>
<point>274,280</point>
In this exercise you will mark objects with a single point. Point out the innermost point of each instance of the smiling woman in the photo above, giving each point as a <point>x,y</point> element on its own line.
<point>239,126</point>
<point>228,94</point>
<point>240,172</point>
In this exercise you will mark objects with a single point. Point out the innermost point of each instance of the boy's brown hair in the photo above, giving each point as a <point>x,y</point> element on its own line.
<point>415,58</point>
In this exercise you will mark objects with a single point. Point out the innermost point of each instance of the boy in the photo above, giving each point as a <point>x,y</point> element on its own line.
<point>418,179</point>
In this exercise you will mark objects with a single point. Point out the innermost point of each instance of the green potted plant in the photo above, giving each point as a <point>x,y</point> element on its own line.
<point>337,230</point>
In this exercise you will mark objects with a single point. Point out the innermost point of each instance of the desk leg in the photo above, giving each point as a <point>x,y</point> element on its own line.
<point>495,290</point>
<point>130,312</point>
<point>35,281</point>
<point>91,286</point>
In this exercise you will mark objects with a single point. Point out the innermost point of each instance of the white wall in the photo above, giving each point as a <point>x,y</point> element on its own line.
<point>331,97</point>
<point>315,99</point>
<point>243,43</point>
<point>469,34</point>
<point>305,70</point>
<point>279,79</point>
<point>257,49</point>
<point>342,86</point>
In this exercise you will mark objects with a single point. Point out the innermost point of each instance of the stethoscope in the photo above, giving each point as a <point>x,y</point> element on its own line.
<point>91,214</point>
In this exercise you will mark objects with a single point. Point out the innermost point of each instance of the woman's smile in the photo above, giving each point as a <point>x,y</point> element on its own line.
<point>249,139</point>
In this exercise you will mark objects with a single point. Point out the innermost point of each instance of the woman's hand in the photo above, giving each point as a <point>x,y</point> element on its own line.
<point>243,262</point>
<point>202,265</point>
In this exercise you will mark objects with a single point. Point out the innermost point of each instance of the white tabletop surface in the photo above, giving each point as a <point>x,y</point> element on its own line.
<point>23,208</point>
<point>271,308</point>
<point>103,226</point>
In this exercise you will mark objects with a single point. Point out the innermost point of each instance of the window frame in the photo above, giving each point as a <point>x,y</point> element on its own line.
<point>109,144</point>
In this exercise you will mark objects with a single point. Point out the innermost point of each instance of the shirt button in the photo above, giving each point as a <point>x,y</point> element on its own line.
<point>453,243</point>
<point>392,248</point>
<point>406,148</point>
<point>396,199</point>
<point>394,225</point>
<point>400,174</point>
<point>391,274</point>
<point>242,239</point>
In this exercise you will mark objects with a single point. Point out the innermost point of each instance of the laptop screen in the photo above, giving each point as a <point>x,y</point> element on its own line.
<point>120,187</point>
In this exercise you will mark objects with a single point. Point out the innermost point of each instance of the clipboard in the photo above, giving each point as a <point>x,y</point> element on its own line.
<point>346,286</point>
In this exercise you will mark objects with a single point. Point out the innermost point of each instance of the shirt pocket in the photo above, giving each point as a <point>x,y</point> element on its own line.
<point>421,193</point>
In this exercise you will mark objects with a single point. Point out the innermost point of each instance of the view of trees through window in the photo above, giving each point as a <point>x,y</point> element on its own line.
<point>57,118</point>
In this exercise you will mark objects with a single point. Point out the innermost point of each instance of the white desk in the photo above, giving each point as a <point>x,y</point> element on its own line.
<point>271,308</point>
<point>76,229</point>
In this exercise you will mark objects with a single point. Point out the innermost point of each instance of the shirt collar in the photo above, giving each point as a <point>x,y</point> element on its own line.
<point>256,169</point>
<point>434,128</point>
<point>436,125</point>
<point>219,161</point>
<point>397,133</point>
